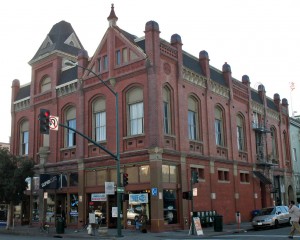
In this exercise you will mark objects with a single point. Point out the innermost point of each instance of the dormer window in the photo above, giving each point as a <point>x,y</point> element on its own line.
<point>46,84</point>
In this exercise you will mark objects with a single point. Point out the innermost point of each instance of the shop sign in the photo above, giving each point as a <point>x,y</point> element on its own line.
<point>98,197</point>
<point>138,198</point>
<point>48,181</point>
<point>110,188</point>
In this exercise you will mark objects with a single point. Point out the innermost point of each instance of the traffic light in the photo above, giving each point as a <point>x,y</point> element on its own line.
<point>195,177</point>
<point>125,179</point>
<point>44,121</point>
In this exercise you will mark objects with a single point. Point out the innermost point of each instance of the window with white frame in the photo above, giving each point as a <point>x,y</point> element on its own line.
<point>135,108</point>
<point>46,84</point>
<point>295,154</point>
<point>24,138</point>
<point>99,120</point>
<point>240,133</point>
<point>70,122</point>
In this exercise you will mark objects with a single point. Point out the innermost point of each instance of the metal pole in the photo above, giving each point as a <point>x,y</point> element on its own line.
<point>192,205</point>
<point>117,157</point>
<point>118,166</point>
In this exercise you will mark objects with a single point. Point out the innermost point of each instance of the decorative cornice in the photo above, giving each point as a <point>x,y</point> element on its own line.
<point>194,78</point>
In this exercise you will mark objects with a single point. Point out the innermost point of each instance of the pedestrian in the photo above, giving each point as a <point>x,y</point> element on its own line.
<point>294,212</point>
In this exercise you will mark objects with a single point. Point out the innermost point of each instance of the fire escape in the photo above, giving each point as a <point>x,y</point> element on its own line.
<point>263,163</point>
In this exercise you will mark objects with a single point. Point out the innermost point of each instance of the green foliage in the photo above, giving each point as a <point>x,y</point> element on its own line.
<point>13,172</point>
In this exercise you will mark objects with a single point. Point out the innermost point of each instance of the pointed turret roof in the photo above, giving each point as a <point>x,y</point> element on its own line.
<point>61,37</point>
<point>112,18</point>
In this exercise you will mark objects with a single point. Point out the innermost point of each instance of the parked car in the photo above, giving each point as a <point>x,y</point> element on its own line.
<point>271,217</point>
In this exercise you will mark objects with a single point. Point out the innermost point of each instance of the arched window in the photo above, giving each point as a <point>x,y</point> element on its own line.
<point>135,111</point>
<point>24,137</point>
<point>240,133</point>
<point>219,126</point>
<point>46,84</point>
<point>193,118</point>
<point>274,144</point>
<point>167,110</point>
<point>99,120</point>
<point>284,147</point>
<point>70,136</point>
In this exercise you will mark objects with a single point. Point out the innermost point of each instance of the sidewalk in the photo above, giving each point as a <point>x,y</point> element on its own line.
<point>126,233</point>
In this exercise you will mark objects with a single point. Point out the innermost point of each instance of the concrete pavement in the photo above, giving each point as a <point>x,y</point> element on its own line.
<point>126,233</point>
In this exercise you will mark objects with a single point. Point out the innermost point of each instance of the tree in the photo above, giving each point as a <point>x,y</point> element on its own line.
<point>13,172</point>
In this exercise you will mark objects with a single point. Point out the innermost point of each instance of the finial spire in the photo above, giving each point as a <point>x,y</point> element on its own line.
<point>112,18</point>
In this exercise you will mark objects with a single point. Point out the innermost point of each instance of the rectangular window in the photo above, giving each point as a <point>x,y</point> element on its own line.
<point>223,175</point>
<point>218,129</point>
<point>244,177</point>
<point>125,55</point>
<point>25,142</point>
<point>99,64</point>
<point>169,173</point>
<point>71,135</point>
<point>100,126</point>
<point>200,171</point>
<point>118,57</point>
<point>295,154</point>
<point>144,172</point>
<point>192,125</point>
<point>105,63</point>
<point>136,113</point>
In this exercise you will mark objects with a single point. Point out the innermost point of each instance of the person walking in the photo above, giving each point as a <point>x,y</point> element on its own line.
<point>294,212</point>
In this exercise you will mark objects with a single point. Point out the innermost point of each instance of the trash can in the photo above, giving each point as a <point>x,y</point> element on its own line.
<point>218,223</point>
<point>60,225</point>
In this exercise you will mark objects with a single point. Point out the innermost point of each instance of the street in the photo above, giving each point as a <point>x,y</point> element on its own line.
<point>265,234</point>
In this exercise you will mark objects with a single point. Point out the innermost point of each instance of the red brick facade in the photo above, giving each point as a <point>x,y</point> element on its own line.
<point>227,183</point>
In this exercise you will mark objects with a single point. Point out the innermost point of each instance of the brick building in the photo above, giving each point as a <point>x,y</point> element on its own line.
<point>177,115</point>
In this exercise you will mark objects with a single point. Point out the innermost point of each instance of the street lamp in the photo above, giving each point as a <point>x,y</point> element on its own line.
<point>117,155</point>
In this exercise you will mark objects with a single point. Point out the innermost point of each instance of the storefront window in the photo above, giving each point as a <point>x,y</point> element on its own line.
<point>144,173</point>
<point>170,206</point>
<point>73,208</point>
<point>101,177</point>
<point>132,174</point>
<point>50,208</point>
<point>73,179</point>
<point>35,209</point>
<point>3,213</point>
<point>138,207</point>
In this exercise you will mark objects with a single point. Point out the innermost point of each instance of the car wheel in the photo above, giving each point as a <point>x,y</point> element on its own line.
<point>276,224</point>
<point>290,222</point>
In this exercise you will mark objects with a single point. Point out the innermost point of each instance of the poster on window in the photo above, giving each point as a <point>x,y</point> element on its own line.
<point>109,188</point>
<point>198,226</point>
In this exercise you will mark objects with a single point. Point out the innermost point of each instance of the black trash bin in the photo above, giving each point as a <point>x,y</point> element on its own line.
<point>218,223</point>
<point>60,225</point>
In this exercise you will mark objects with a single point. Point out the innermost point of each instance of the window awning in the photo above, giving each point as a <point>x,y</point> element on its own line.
<point>262,177</point>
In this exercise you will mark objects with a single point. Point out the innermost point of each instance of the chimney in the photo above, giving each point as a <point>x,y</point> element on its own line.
<point>204,63</point>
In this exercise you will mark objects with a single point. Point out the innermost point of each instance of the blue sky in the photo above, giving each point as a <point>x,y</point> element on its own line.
<point>260,38</point>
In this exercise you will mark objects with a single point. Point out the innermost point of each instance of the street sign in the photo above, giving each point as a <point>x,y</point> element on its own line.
<point>120,189</point>
<point>154,191</point>
<point>53,123</point>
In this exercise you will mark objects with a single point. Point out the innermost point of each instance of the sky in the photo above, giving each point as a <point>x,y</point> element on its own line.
<point>259,38</point>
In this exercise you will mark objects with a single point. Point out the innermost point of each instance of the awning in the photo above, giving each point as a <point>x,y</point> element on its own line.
<point>262,177</point>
